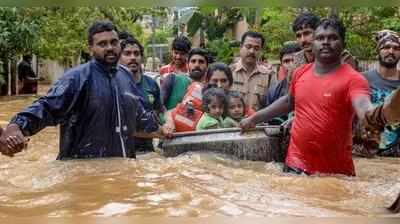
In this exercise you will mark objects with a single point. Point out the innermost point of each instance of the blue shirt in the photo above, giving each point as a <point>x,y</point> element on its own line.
<point>98,108</point>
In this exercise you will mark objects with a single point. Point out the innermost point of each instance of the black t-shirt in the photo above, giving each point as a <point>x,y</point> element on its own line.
<point>25,70</point>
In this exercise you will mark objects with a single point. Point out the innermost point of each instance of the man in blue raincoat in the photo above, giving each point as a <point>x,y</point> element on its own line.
<point>97,105</point>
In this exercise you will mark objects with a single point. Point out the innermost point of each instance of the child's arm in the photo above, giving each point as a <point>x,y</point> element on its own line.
<point>211,126</point>
<point>229,123</point>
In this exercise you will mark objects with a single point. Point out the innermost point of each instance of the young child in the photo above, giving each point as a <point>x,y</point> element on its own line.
<point>235,110</point>
<point>214,103</point>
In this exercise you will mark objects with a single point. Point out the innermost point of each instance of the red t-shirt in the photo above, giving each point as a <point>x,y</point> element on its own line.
<point>170,68</point>
<point>321,136</point>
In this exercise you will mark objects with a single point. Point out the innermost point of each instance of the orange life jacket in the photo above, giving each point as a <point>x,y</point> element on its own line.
<point>193,94</point>
<point>186,118</point>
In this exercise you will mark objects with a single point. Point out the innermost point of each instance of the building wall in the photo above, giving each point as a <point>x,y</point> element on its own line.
<point>51,70</point>
<point>239,29</point>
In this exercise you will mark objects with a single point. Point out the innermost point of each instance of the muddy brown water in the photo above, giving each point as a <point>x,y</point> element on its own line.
<point>33,183</point>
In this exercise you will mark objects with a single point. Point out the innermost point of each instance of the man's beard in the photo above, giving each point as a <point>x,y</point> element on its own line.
<point>196,74</point>
<point>387,64</point>
<point>107,62</point>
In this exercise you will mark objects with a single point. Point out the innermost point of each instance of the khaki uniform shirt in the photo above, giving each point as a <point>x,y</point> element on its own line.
<point>253,86</point>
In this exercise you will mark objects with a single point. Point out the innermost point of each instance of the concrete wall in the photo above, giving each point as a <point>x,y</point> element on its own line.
<point>239,29</point>
<point>51,70</point>
<point>365,65</point>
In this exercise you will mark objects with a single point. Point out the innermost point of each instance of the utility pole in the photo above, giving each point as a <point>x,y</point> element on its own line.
<point>9,77</point>
<point>153,41</point>
<point>257,20</point>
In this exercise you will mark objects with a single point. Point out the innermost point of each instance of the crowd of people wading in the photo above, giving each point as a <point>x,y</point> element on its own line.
<point>109,107</point>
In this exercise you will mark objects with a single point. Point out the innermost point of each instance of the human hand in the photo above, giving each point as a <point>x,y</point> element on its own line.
<point>167,130</point>
<point>367,139</point>
<point>13,140</point>
<point>391,107</point>
<point>247,124</point>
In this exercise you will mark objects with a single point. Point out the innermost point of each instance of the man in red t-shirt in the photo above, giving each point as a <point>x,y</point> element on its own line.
<point>179,53</point>
<point>324,95</point>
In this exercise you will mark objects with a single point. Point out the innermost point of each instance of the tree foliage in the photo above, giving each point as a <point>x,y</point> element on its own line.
<point>19,28</point>
<point>216,20</point>
<point>223,50</point>
<point>63,33</point>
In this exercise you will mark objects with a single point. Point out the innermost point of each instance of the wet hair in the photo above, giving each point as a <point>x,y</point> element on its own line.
<point>234,95</point>
<point>132,41</point>
<point>253,35</point>
<point>181,43</point>
<point>305,20</point>
<point>218,66</point>
<point>99,27</point>
<point>123,35</point>
<point>336,24</point>
<point>288,49</point>
<point>202,52</point>
<point>208,95</point>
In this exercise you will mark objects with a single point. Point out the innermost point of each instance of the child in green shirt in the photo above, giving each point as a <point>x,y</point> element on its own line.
<point>235,110</point>
<point>214,103</point>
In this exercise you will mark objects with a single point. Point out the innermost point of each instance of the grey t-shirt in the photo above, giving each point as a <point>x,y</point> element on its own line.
<point>381,88</point>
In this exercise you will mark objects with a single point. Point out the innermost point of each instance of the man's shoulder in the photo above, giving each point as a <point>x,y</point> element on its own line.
<point>234,66</point>
<point>181,77</point>
<point>352,76</point>
<point>370,75</point>
<point>348,58</point>
<point>123,69</point>
<point>149,80</point>
<point>164,69</point>
<point>280,84</point>
<point>265,68</point>
<point>77,71</point>
<point>302,69</point>
<point>351,71</point>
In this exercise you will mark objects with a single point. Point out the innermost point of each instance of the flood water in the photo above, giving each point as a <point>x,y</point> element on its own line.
<point>33,183</point>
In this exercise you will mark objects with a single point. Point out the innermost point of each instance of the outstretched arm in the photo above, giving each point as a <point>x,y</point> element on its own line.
<point>280,107</point>
<point>49,110</point>
<point>391,107</point>
<point>371,121</point>
<point>362,104</point>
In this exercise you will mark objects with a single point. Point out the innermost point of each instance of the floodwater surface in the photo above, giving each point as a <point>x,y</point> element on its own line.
<point>34,183</point>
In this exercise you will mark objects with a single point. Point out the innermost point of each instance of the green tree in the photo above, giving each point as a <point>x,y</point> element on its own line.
<point>276,27</point>
<point>19,28</point>
<point>63,33</point>
<point>223,50</point>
